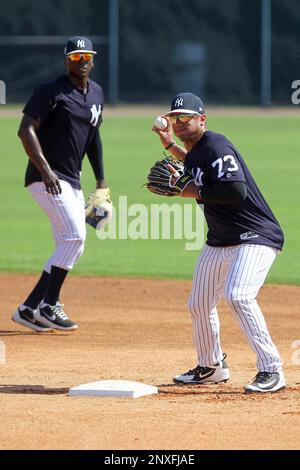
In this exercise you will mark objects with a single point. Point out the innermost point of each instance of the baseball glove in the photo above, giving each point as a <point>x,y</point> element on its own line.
<point>98,208</point>
<point>162,181</point>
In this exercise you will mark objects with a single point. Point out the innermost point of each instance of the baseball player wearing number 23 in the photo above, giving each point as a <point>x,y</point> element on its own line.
<point>60,125</point>
<point>243,241</point>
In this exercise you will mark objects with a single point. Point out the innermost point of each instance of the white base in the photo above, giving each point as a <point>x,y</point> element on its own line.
<point>113,388</point>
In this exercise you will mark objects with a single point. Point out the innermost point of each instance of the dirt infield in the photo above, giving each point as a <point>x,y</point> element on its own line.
<point>140,330</point>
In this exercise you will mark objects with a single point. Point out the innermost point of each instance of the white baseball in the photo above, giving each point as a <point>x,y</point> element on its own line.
<point>161,123</point>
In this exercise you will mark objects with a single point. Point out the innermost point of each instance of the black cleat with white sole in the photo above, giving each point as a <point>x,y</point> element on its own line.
<point>204,375</point>
<point>55,317</point>
<point>266,382</point>
<point>27,317</point>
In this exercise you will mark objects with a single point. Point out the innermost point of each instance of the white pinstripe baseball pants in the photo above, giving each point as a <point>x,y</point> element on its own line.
<point>236,273</point>
<point>67,218</point>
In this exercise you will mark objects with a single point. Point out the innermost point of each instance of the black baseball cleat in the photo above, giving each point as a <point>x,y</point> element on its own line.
<point>266,382</point>
<point>54,317</point>
<point>26,316</point>
<point>204,375</point>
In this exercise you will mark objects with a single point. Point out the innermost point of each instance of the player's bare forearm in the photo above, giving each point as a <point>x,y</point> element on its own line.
<point>191,190</point>
<point>31,144</point>
<point>33,149</point>
<point>178,152</point>
<point>166,138</point>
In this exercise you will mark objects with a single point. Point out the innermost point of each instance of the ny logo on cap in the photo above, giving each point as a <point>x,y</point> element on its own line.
<point>179,102</point>
<point>80,43</point>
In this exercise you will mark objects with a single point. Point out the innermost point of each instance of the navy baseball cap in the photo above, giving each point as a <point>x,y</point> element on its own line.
<point>79,44</point>
<point>186,103</point>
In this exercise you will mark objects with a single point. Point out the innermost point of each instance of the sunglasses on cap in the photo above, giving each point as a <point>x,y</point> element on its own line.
<point>182,118</point>
<point>77,56</point>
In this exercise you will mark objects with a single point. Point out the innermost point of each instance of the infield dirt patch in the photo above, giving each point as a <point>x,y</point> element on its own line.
<point>133,329</point>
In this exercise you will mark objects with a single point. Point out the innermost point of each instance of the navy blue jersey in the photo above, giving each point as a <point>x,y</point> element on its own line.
<point>69,120</point>
<point>215,160</point>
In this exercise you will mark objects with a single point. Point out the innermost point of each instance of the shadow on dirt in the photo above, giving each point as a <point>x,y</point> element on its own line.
<point>31,333</point>
<point>176,389</point>
<point>33,390</point>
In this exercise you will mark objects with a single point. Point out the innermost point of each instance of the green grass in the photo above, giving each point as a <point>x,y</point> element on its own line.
<point>270,147</point>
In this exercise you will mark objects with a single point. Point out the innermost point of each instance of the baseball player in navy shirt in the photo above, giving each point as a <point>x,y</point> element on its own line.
<point>60,125</point>
<point>243,241</point>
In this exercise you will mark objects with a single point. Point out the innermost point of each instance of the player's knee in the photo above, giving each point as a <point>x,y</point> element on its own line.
<point>74,246</point>
<point>74,252</point>
<point>234,296</point>
<point>79,246</point>
<point>78,238</point>
<point>194,306</point>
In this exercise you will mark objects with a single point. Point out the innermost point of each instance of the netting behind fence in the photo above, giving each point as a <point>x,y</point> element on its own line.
<point>210,47</point>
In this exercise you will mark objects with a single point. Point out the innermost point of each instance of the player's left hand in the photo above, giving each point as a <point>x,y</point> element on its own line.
<point>98,208</point>
<point>168,177</point>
